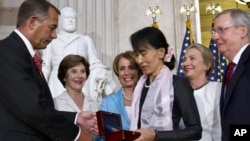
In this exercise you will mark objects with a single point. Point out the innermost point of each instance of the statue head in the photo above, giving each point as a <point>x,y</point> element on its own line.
<point>68,19</point>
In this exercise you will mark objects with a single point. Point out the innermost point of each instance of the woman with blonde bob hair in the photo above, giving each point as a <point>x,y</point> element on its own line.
<point>128,73</point>
<point>197,66</point>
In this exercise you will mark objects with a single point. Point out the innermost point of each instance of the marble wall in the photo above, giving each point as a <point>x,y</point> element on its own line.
<point>110,22</point>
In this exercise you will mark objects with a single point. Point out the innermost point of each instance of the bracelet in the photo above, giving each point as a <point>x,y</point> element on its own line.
<point>156,136</point>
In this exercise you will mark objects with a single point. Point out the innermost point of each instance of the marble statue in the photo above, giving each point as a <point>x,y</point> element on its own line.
<point>100,81</point>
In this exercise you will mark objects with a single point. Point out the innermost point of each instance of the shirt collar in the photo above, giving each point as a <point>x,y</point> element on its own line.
<point>236,58</point>
<point>26,42</point>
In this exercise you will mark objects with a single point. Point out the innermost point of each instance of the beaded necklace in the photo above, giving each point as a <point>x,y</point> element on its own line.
<point>126,96</point>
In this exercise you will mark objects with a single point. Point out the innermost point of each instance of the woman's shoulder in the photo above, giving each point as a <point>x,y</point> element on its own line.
<point>214,87</point>
<point>63,95</point>
<point>182,87</point>
<point>214,84</point>
<point>114,95</point>
<point>178,79</point>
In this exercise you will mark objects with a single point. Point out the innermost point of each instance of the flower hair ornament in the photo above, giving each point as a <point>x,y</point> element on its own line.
<point>169,54</point>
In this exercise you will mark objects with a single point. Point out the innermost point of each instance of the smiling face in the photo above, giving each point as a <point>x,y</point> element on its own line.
<point>75,78</point>
<point>127,73</point>
<point>194,65</point>
<point>228,37</point>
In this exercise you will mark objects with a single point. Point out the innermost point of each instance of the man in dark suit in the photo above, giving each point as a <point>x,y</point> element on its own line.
<point>231,34</point>
<point>26,107</point>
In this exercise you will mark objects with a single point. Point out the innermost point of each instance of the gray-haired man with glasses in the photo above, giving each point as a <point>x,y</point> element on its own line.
<point>231,34</point>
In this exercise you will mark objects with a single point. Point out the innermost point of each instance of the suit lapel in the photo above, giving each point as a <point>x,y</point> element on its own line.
<point>222,97</point>
<point>121,107</point>
<point>235,78</point>
<point>65,98</point>
<point>44,88</point>
<point>237,73</point>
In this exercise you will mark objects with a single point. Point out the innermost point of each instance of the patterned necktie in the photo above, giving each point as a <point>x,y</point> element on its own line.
<point>229,73</point>
<point>38,64</point>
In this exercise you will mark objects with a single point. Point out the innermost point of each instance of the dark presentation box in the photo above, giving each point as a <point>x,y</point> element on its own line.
<point>110,126</point>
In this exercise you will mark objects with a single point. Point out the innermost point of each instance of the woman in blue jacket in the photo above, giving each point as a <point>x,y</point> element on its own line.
<point>128,73</point>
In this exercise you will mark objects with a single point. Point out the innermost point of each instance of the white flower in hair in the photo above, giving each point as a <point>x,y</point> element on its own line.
<point>168,56</point>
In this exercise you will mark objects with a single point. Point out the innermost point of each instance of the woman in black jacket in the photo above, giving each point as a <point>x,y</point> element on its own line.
<point>184,105</point>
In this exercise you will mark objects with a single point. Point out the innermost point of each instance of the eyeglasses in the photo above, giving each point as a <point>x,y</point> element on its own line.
<point>221,30</point>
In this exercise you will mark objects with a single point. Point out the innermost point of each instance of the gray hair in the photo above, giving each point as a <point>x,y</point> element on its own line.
<point>240,17</point>
<point>38,8</point>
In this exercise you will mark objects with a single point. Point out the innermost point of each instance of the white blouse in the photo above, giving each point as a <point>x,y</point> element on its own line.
<point>208,103</point>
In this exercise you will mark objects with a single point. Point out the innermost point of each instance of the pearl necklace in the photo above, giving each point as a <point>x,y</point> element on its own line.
<point>126,96</point>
